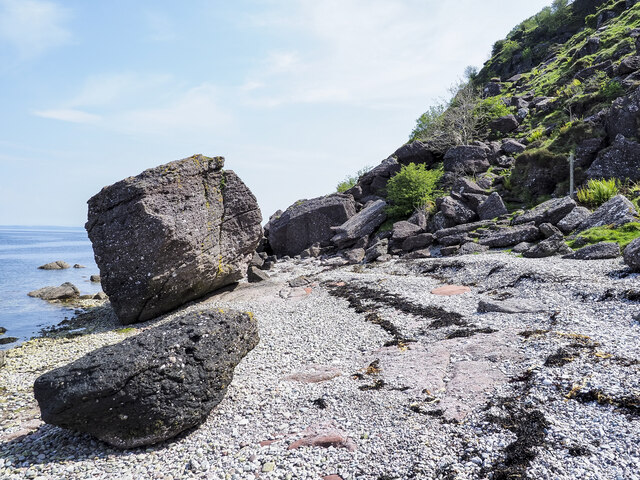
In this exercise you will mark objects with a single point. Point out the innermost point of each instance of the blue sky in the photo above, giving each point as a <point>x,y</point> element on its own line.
<point>295,94</point>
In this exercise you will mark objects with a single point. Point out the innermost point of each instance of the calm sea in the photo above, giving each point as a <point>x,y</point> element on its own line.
<point>22,251</point>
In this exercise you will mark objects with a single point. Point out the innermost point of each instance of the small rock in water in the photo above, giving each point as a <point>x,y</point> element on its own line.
<point>66,291</point>
<point>95,278</point>
<point>57,265</point>
<point>77,265</point>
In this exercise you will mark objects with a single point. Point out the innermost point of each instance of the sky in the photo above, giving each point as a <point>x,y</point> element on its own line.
<point>295,94</point>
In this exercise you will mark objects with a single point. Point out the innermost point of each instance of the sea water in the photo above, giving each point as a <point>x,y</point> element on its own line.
<point>22,251</point>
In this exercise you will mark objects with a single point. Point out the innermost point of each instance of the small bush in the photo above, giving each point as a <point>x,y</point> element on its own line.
<point>596,192</point>
<point>412,187</point>
<point>535,135</point>
<point>491,108</point>
<point>611,90</point>
<point>351,180</point>
<point>623,235</point>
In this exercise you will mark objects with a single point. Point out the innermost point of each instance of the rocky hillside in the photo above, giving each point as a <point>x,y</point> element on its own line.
<point>491,168</point>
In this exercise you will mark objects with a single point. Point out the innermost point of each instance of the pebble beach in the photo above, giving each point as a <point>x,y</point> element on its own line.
<point>406,383</point>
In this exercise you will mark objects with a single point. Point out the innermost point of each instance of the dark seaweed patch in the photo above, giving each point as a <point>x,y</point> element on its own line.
<point>376,385</point>
<point>560,358</point>
<point>579,451</point>
<point>531,333</point>
<point>469,332</point>
<point>629,404</point>
<point>321,403</point>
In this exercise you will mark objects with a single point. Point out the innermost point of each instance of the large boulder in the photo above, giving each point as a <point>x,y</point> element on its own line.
<point>505,124</point>
<point>374,182</point>
<point>616,211</point>
<point>621,160</point>
<point>66,291</point>
<point>597,251</point>
<point>456,210</point>
<point>466,159</point>
<point>171,235</point>
<point>508,237</point>
<point>361,225</point>
<point>623,116</point>
<point>308,222</point>
<point>415,152</point>
<point>571,221</point>
<point>551,211</point>
<point>150,387</point>
<point>492,207</point>
<point>632,254</point>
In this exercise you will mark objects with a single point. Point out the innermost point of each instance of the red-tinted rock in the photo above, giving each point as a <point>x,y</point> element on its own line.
<point>449,290</point>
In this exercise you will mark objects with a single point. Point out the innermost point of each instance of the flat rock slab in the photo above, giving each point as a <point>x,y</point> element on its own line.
<point>314,374</point>
<point>596,251</point>
<point>152,386</point>
<point>324,435</point>
<point>449,290</point>
<point>512,305</point>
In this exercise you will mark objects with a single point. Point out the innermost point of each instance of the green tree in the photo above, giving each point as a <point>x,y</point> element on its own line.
<point>413,187</point>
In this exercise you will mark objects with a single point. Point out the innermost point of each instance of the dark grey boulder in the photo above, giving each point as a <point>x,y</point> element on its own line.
<point>57,265</point>
<point>94,278</point>
<point>419,218</point>
<point>456,239</point>
<point>617,211</point>
<point>621,160</point>
<point>458,229</point>
<point>521,247</point>
<point>472,248</point>
<point>512,147</point>
<point>360,225</point>
<point>378,249</point>
<point>466,159</point>
<point>439,222</point>
<point>622,116</point>
<point>596,251</point>
<point>551,211</point>
<point>505,124</point>
<point>570,222</point>
<point>418,254</point>
<point>417,242</point>
<point>492,89</point>
<point>150,387</point>
<point>308,222</point>
<point>374,182</point>
<point>507,237</point>
<point>464,185</point>
<point>587,150</point>
<point>492,207</point>
<point>551,246</point>
<point>632,255</point>
<point>415,152</point>
<point>629,65</point>
<point>403,230</point>
<point>549,230</point>
<point>354,255</point>
<point>171,235</point>
<point>512,305</point>
<point>449,251</point>
<point>457,211</point>
<point>474,200</point>
<point>255,274</point>
<point>66,291</point>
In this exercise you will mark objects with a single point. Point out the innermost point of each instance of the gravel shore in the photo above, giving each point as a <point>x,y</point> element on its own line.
<point>417,385</point>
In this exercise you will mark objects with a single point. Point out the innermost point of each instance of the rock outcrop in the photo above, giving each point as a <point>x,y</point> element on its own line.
<point>632,255</point>
<point>66,291</point>
<point>57,265</point>
<point>150,387</point>
<point>616,211</point>
<point>620,160</point>
<point>171,235</point>
<point>308,222</point>
<point>362,224</point>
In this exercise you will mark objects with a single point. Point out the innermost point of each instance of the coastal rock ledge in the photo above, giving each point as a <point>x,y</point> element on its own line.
<point>150,387</point>
<point>171,235</point>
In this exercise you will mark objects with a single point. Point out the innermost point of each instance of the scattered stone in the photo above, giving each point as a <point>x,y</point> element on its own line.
<point>314,374</point>
<point>576,216</point>
<point>551,211</point>
<point>449,290</point>
<point>362,224</point>
<point>171,235</point>
<point>505,124</point>
<point>507,237</point>
<point>355,255</point>
<point>597,251</point>
<point>616,211</point>
<point>521,247</point>
<point>419,218</point>
<point>257,260</point>
<point>255,275</point>
<point>324,435</point>
<point>512,305</point>
<point>57,265</point>
<point>554,245</point>
<point>466,159</point>
<point>66,291</point>
<point>512,147</point>
<point>492,207</point>
<point>470,248</point>
<point>114,393</point>
<point>94,278</point>
<point>632,254</point>
<point>300,281</point>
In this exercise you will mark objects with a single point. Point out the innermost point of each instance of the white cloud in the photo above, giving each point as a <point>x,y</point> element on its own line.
<point>68,115</point>
<point>33,26</point>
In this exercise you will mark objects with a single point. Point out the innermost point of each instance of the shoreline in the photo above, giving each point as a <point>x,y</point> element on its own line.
<point>397,428</point>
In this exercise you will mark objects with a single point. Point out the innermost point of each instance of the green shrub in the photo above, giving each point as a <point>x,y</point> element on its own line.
<point>414,186</point>
<point>610,90</point>
<point>491,108</point>
<point>623,235</point>
<point>535,135</point>
<point>428,122</point>
<point>351,180</point>
<point>591,21</point>
<point>596,192</point>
